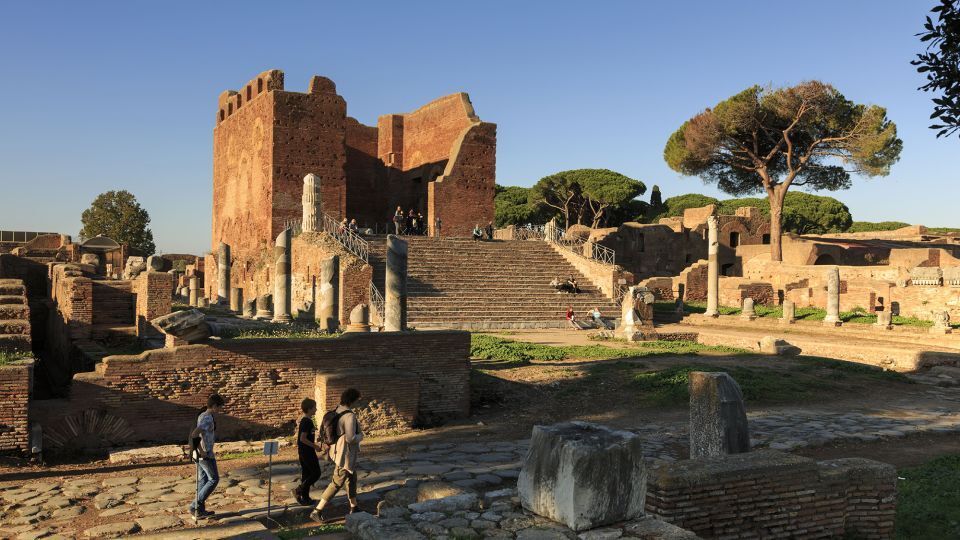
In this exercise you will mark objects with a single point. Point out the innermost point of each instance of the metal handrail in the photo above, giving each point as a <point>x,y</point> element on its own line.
<point>350,240</point>
<point>377,302</point>
<point>598,253</point>
<point>530,232</point>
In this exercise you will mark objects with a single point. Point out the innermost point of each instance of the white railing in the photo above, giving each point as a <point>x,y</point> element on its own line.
<point>581,247</point>
<point>377,302</point>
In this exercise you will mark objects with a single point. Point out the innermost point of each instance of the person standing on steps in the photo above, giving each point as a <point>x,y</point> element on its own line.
<point>344,451</point>
<point>490,231</point>
<point>207,475</point>
<point>307,449</point>
<point>398,220</point>
<point>477,233</point>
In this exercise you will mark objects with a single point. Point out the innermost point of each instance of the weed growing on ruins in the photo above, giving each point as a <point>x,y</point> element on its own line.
<point>928,500</point>
<point>295,534</point>
<point>238,455</point>
<point>486,347</point>
<point>287,331</point>
<point>9,357</point>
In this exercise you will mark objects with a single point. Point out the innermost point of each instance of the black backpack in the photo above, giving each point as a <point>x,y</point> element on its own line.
<point>330,427</point>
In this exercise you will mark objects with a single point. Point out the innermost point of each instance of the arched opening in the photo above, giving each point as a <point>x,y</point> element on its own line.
<point>229,108</point>
<point>734,239</point>
<point>259,86</point>
<point>222,115</point>
<point>825,259</point>
<point>248,92</point>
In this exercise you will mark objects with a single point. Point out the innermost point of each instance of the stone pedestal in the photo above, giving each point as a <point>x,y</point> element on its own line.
<point>395,295</point>
<point>249,308</point>
<point>718,419</point>
<point>789,313</point>
<point>748,312</point>
<point>282,281</point>
<point>833,297</point>
<point>359,319</point>
<point>713,269</point>
<point>636,314</point>
<point>223,274</point>
<point>264,307</point>
<point>194,291</point>
<point>584,475</point>
<point>312,218</point>
<point>941,323</point>
<point>884,320</point>
<point>236,299</point>
<point>329,316</point>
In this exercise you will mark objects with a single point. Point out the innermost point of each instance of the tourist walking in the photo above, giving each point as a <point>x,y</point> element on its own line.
<point>344,452</point>
<point>307,449</point>
<point>202,439</point>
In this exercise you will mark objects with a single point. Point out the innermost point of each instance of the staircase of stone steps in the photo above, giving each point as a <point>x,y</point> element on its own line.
<point>14,316</point>
<point>477,285</point>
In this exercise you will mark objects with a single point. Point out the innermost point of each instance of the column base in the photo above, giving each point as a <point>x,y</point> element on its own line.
<point>283,318</point>
<point>832,323</point>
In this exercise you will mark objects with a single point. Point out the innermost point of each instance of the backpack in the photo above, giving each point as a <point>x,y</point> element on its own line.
<point>330,427</point>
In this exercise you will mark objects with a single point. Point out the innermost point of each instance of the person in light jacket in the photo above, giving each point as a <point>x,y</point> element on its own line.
<point>343,454</point>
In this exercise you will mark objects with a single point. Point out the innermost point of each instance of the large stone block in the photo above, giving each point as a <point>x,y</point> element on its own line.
<point>187,325</point>
<point>583,475</point>
<point>718,419</point>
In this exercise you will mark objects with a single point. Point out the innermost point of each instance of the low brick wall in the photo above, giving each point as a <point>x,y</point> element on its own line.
<point>156,396</point>
<point>16,381</point>
<point>390,398</point>
<point>769,494</point>
<point>154,292</point>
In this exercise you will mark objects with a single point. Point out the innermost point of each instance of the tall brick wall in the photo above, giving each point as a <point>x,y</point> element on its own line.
<point>769,494</point>
<point>156,396</point>
<point>154,292</point>
<point>463,196</point>
<point>16,382</point>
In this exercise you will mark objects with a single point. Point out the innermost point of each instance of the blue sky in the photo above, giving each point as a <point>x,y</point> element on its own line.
<point>110,95</point>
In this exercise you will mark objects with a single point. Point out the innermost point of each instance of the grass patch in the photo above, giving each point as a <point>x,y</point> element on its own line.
<point>9,357</point>
<point>487,347</point>
<point>857,315</point>
<point>291,331</point>
<point>238,455</point>
<point>928,500</point>
<point>294,534</point>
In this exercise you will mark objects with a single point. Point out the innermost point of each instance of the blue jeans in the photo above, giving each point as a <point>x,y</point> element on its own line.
<point>207,480</point>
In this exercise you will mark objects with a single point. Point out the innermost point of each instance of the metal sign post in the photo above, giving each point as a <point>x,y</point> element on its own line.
<point>270,449</point>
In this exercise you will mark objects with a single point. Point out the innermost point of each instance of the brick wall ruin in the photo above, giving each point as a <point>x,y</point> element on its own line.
<point>769,494</point>
<point>439,160</point>
<point>156,395</point>
<point>16,382</point>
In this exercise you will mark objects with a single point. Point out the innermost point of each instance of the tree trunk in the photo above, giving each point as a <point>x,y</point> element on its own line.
<point>776,197</point>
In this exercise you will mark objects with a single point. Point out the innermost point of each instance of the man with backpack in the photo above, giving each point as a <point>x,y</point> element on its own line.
<point>307,449</point>
<point>341,430</point>
<point>202,439</point>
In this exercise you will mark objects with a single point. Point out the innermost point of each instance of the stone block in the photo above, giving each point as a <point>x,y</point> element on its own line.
<point>779,347</point>
<point>188,325</point>
<point>718,418</point>
<point>583,475</point>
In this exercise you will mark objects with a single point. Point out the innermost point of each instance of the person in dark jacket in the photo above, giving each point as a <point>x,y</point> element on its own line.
<point>307,449</point>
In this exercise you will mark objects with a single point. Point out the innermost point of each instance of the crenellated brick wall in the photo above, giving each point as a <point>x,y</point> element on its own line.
<point>770,494</point>
<point>16,382</point>
<point>156,395</point>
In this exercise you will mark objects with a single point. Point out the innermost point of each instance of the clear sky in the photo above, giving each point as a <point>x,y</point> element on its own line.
<point>121,95</point>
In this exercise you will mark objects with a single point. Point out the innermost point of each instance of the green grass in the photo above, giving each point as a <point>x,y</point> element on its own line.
<point>292,331</point>
<point>9,357</point>
<point>855,316</point>
<point>928,500</point>
<point>487,347</point>
<point>294,534</point>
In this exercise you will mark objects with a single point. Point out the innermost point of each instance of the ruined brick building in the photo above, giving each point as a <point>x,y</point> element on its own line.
<point>439,160</point>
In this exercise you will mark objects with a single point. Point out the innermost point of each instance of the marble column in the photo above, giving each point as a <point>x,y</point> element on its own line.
<point>713,269</point>
<point>789,312</point>
<point>395,295</point>
<point>329,316</point>
<point>833,297</point>
<point>194,292</point>
<point>236,299</point>
<point>223,273</point>
<point>282,282</point>
<point>312,219</point>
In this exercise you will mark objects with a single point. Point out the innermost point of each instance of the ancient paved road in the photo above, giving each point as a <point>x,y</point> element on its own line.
<point>125,504</point>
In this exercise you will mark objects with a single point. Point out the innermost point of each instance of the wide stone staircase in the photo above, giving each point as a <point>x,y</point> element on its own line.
<point>460,283</point>
<point>14,316</point>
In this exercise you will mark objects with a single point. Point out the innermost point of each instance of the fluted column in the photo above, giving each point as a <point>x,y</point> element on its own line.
<point>311,204</point>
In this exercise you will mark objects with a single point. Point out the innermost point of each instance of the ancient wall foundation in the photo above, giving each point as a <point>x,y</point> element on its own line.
<point>16,385</point>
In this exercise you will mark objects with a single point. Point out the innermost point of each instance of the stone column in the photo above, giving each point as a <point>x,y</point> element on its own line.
<point>718,418</point>
<point>329,316</point>
<point>748,312</point>
<point>223,274</point>
<point>789,312</point>
<point>312,219</point>
<point>194,286</point>
<point>395,295</point>
<point>359,319</point>
<point>833,297</point>
<point>713,269</point>
<point>249,308</point>
<point>282,282</point>
<point>884,320</point>
<point>236,299</point>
